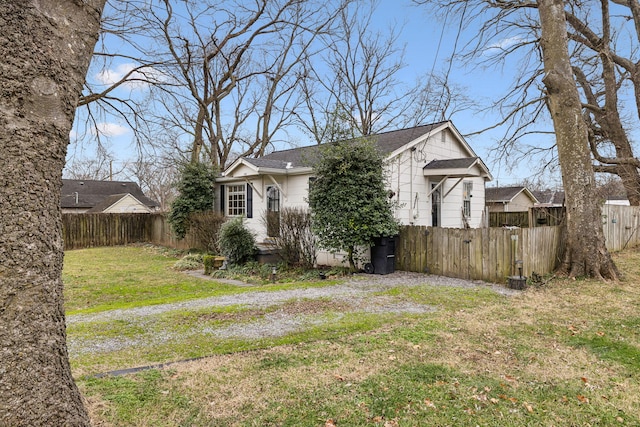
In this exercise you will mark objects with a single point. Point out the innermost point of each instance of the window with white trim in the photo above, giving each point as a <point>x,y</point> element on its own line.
<point>236,200</point>
<point>467,188</point>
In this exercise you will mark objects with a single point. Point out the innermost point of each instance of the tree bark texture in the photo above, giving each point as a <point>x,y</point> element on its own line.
<point>45,48</point>
<point>586,253</point>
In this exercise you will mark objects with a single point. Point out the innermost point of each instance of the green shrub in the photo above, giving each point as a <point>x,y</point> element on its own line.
<point>196,195</point>
<point>207,260</point>
<point>237,243</point>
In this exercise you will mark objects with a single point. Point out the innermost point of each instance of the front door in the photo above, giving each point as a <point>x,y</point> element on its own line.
<point>273,211</point>
<point>435,206</point>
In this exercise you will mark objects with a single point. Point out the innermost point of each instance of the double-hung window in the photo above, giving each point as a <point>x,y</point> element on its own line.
<point>238,200</point>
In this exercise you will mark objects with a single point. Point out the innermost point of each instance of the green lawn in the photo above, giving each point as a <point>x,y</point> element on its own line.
<point>100,279</point>
<point>565,354</point>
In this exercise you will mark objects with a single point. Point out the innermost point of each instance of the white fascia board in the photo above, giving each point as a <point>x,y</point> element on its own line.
<point>422,138</point>
<point>128,196</point>
<point>453,173</point>
<point>477,169</point>
<point>531,195</point>
<point>237,163</point>
<point>487,174</point>
<point>266,171</point>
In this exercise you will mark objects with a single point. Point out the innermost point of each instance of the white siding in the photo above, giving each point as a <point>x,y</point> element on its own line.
<point>405,179</point>
<point>294,193</point>
<point>411,187</point>
<point>127,204</point>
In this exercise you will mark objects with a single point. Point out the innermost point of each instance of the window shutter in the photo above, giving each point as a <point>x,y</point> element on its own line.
<point>249,201</point>
<point>222,200</point>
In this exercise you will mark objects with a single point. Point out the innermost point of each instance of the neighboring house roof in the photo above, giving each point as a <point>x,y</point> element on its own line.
<point>506,194</point>
<point>88,194</point>
<point>390,144</point>
<point>549,198</point>
<point>110,201</point>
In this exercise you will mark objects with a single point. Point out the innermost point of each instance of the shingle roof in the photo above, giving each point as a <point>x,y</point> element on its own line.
<point>463,163</point>
<point>263,162</point>
<point>86,194</point>
<point>502,194</point>
<point>387,142</point>
<point>549,197</point>
<point>108,202</point>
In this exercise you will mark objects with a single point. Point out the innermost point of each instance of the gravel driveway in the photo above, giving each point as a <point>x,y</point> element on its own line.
<point>357,294</point>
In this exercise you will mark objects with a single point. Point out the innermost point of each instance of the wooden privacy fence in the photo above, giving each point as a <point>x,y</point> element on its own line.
<point>534,217</point>
<point>621,226</point>
<point>100,229</point>
<point>488,254</point>
<point>485,254</point>
<point>88,230</point>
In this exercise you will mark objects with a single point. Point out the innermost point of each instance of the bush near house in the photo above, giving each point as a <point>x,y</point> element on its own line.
<point>236,242</point>
<point>205,227</point>
<point>295,242</point>
<point>348,199</point>
<point>196,195</point>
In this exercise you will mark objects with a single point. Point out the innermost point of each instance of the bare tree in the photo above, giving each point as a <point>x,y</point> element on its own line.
<point>586,253</point>
<point>355,85</point>
<point>99,168</point>
<point>542,25</point>
<point>602,103</point>
<point>46,48</point>
<point>234,66</point>
<point>157,179</point>
<point>601,65</point>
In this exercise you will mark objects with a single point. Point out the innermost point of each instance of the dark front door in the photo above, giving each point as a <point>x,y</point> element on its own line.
<point>273,211</point>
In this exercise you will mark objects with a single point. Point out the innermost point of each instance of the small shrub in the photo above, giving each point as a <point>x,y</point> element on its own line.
<point>295,242</point>
<point>205,227</point>
<point>193,261</point>
<point>237,243</point>
<point>207,260</point>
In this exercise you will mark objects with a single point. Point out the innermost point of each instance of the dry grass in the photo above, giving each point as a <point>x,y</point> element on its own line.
<point>526,360</point>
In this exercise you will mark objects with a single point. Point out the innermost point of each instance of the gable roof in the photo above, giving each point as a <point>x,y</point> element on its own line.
<point>549,197</point>
<point>110,201</point>
<point>388,143</point>
<point>506,194</point>
<point>86,194</point>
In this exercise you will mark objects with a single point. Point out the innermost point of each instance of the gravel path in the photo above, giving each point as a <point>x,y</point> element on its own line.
<point>356,294</point>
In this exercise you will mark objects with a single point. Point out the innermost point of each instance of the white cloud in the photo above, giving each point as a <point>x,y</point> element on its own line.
<point>110,129</point>
<point>137,79</point>
<point>503,45</point>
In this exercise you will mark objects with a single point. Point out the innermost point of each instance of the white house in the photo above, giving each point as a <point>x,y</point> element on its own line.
<point>434,175</point>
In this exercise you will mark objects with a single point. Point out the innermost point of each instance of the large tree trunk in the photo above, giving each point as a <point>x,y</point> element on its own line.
<point>45,48</point>
<point>586,253</point>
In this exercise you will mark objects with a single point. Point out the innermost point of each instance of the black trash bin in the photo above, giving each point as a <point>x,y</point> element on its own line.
<point>383,255</point>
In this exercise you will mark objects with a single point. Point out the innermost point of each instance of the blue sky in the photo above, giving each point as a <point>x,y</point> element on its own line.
<point>420,36</point>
